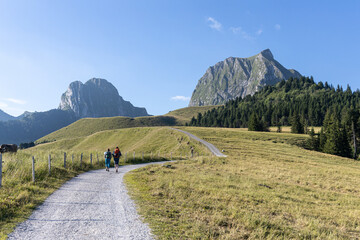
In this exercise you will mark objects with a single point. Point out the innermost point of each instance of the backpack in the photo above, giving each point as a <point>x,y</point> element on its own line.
<point>117,153</point>
<point>108,155</point>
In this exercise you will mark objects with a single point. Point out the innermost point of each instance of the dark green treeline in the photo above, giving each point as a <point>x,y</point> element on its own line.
<point>298,103</point>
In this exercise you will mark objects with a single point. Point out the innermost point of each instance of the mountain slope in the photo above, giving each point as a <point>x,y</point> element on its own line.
<point>238,77</point>
<point>34,126</point>
<point>5,117</point>
<point>97,98</point>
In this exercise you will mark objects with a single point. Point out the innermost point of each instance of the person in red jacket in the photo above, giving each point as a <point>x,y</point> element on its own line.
<point>116,155</point>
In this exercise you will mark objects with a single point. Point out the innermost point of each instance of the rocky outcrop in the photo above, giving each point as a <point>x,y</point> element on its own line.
<point>97,98</point>
<point>238,77</point>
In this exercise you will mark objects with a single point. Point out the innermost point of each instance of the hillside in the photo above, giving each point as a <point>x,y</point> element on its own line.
<point>278,104</point>
<point>5,117</point>
<point>238,77</point>
<point>184,115</point>
<point>144,139</point>
<point>34,125</point>
<point>264,189</point>
<point>88,126</point>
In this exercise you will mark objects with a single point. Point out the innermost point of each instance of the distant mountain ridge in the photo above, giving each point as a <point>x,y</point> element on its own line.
<point>238,77</point>
<point>5,117</point>
<point>97,98</point>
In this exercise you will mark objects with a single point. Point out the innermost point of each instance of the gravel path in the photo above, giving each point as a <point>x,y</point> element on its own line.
<point>93,205</point>
<point>211,147</point>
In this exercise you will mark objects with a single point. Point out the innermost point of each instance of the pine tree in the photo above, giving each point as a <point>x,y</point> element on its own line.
<point>254,123</point>
<point>296,125</point>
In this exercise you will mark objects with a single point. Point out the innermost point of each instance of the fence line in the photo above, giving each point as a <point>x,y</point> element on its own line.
<point>150,157</point>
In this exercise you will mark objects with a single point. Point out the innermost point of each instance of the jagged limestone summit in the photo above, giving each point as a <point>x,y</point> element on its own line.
<point>238,77</point>
<point>97,98</point>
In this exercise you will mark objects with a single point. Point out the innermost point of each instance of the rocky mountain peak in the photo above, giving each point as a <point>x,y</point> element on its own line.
<point>97,98</point>
<point>267,54</point>
<point>238,77</point>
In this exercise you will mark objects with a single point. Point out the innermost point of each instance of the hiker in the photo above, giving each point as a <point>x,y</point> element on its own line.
<point>107,156</point>
<point>116,155</point>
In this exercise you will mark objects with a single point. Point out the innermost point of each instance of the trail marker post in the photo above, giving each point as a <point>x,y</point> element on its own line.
<point>1,169</point>
<point>125,156</point>
<point>64,159</point>
<point>81,156</point>
<point>49,163</point>
<point>33,169</point>
<point>72,159</point>
<point>134,156</point>
<point>97,156</point>
<point>90,158</point>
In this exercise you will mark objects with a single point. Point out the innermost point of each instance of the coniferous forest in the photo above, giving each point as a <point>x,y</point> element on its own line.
<point>299,103</point>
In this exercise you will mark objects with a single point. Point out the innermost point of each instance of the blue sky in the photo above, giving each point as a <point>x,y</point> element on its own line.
<point>153,51</point>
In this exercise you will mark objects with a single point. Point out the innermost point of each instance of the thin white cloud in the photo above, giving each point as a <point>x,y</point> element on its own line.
<point>3,105</point>
<point>214,24</point>
<point>236,30</point>
<point>240,31</point>
<point>277,27</point>
<point>259,32</point>
<point>180,98</point>
<point>16,101</point>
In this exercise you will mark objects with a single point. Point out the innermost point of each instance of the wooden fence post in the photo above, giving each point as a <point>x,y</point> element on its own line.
<point>33,169</point>
<point>64,159</point>
<point>90,158</point>
<point>49,161</point>
<point>81,156</point>
<point>0,170</point>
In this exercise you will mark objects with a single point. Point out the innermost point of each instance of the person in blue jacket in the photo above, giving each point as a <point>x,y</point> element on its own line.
<point>107,156</point>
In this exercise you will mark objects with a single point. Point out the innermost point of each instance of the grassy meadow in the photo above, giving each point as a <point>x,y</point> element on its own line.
<point>87,126</point>
<point>265,189</point>
<point>19,196</point>
<point>184,115</point>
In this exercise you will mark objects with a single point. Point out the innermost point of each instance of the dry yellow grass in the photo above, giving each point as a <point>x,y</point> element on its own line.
<point>264,189</point>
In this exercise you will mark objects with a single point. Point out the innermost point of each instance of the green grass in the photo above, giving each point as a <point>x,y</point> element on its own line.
<point>145,139</point>
<point>184,115</point>
<point>265,189</point>
<point>19,196</point>
<point>87,126</point>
